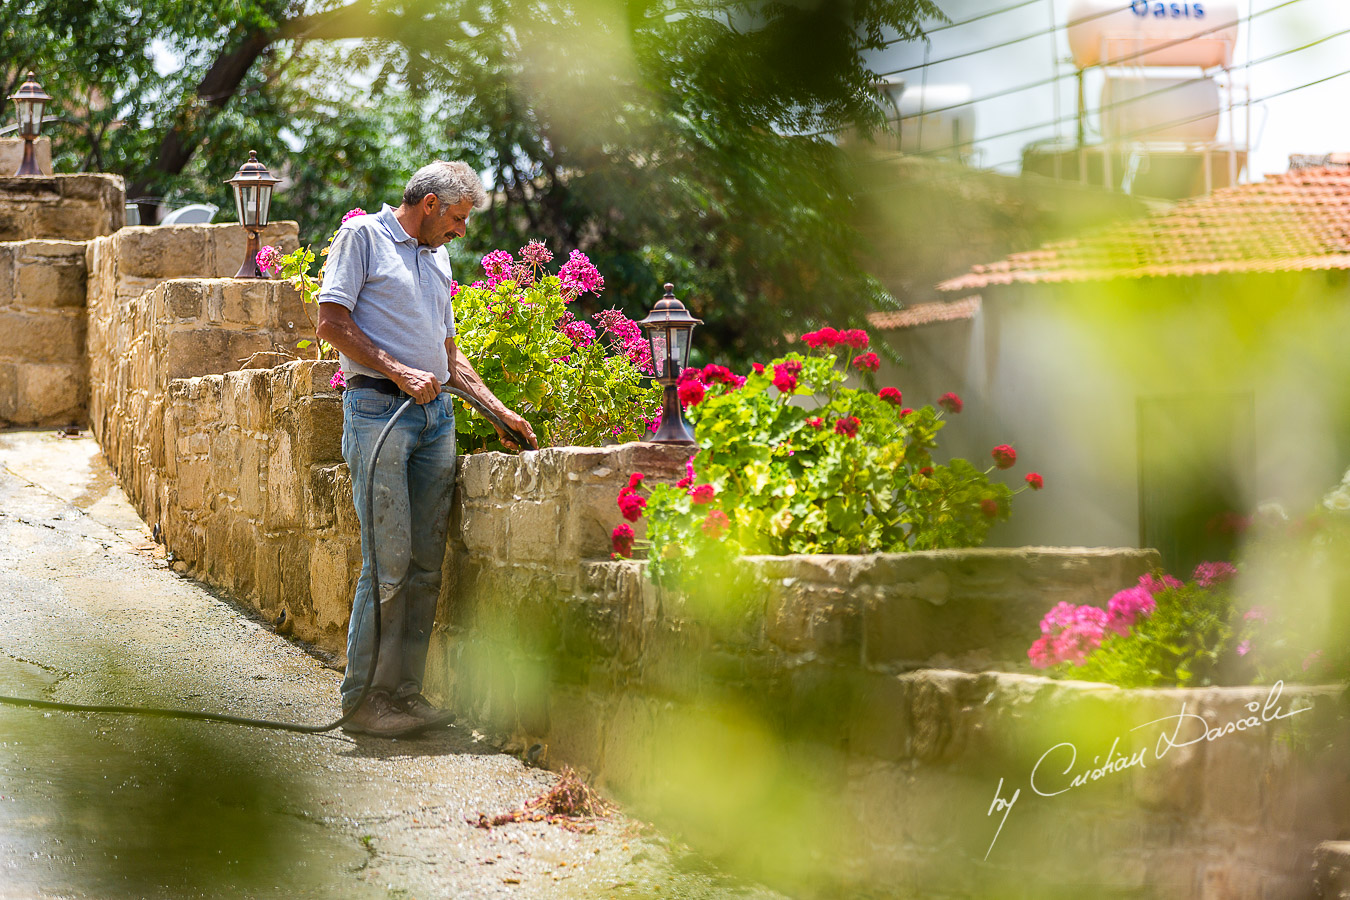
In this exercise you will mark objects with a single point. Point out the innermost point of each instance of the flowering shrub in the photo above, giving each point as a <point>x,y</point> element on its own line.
<point>576,382</point>
<point>1158,632</point>
<point>295,267</point>
<point>851,474</point>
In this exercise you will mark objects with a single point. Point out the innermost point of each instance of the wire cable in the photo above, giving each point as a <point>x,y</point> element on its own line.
<point>971,20</point>
<point>1111,62</point>
<point>367,528</point>
<point>1008,43</point>
<point>1131,100</point>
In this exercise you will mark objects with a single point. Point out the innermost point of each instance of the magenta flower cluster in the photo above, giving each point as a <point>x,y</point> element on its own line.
<point>629,337</point>
<point>579,276</point>
<point>1069,633</point>
<point>268,260</point>
<point>498,265</point>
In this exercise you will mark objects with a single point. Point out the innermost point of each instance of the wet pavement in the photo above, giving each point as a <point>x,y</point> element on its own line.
<point>100,806</point>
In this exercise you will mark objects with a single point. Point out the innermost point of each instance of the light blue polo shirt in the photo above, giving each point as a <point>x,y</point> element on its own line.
<point>398,292</point>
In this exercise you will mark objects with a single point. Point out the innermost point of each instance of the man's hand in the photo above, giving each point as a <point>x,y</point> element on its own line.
<point>421,386</point>
<point>520,425</point>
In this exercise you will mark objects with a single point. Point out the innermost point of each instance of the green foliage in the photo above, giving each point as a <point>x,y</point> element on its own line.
<point>572,392</point>
<point>1190,640</point>
<point>678,140</point>
<point>779,474</point>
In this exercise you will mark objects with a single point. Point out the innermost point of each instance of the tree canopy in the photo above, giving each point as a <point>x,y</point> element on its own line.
<point>672,140</point>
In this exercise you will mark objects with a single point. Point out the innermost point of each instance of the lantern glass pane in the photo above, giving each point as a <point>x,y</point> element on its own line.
<point>264,203</point>
<point>240,201</point>
<point>30,117</point>
<point>658,339</point>
<point>246,197</point>
<point>679,340</point>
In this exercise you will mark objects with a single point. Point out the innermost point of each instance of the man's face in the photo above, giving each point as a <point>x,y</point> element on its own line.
<point>442,224</point>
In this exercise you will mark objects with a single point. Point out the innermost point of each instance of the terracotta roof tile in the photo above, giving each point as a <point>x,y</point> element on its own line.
<point>925,314</point>
<point>1294,220</point>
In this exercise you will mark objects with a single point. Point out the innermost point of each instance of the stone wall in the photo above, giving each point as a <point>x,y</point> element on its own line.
<point>61,207</point>
<point>11,155</point>
<point>43,377</point>
<point>180,329</point>
<point>124,265</point>
<point>802,729</point>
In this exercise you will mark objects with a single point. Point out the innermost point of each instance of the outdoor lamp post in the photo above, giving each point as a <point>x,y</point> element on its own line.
<point>669,328</point>
<point>252,196</point>
<point>29,99</point>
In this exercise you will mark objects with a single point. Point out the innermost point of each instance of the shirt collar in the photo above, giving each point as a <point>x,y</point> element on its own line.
<point>391,225</point>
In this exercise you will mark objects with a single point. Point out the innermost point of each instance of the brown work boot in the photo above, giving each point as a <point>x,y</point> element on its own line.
<point>421,709</point>
<point>379,717</point>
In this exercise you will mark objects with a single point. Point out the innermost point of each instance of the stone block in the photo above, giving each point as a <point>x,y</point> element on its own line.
<point>9,392</point>
<point>246,302</point>
<point>183,300</point>
<point>162,252</point>
<point>50,394</point>
<point>333,567</point>
<point>11,154</point>
<point>43,337</point>
<point>193,478</point>
<point>51,283</point>
<point>319,431</point>
<point>532,531</point>
<point>320,494</point>
<point>284,488</point>
<point>484,530</point>
<point>251,479</point>
<point>193,352</point>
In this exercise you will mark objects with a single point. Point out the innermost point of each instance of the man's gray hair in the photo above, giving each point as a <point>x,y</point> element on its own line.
<point>451,182</point>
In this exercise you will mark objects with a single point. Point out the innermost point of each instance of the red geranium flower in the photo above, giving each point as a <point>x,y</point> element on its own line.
<point>622,540</point>
<point>1004,456</point>
<point>950,402</point>
<point>812,339</point>
<point>815,422</point>
<point>685,482</point>
<point>926,471</point>
<point>758,367</point>
<point>784,380</point>
<point>716,524</point>
<point>868,362</point>
<point>890,395</point>
<point>989,507</point>
<point>631,506</point>
<point>854,337</point>
<point>690,374</point>
<point>704,493</point>
<point>1035,481</point>
<point>827,336</point>
<point>848,427</point>
<point>906,411</point>
<point>634,480</point>
<point>691,392</point>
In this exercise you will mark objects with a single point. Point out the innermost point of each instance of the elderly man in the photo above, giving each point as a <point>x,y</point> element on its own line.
<point>386,306</point>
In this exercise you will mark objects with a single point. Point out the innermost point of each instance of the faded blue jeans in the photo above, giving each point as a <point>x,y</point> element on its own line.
<point>414,484</point>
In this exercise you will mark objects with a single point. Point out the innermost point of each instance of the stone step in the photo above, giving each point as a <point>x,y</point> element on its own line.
<point>1331,871</point>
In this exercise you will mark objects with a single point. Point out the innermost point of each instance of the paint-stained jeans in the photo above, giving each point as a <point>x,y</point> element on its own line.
<point>413,487</point>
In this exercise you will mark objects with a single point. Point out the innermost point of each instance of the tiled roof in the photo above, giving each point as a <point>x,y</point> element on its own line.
<point>1292,221</point>
<point>925,314</point>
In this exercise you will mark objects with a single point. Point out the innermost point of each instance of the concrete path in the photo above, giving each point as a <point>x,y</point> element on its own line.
<point>112,807</point>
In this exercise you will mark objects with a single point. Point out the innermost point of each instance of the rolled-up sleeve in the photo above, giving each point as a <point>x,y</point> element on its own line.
<point>345,272</point>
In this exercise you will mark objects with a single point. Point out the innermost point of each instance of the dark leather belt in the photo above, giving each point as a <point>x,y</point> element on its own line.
<point>383,385</point>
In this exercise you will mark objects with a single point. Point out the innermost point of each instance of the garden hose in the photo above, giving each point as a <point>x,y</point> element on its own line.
<point>367,524</point>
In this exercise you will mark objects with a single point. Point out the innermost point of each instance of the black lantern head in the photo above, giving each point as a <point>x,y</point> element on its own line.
<point>253,192</point>
<point>669,328</point>
<point>252,200</point>
<point>28,101</point>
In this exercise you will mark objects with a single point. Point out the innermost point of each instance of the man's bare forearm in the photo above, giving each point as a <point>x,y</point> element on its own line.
<point>465,377</point>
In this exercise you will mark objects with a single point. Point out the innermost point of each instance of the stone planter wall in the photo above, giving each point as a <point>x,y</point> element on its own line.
<point>803,730</point>
<point>60,207</point>
<point>43,372</point>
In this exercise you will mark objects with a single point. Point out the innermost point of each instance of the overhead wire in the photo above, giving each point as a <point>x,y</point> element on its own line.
<point>1008,43</point>
<point>977,18</point>
<point>1131,100</point>
<point>1136,54</point>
